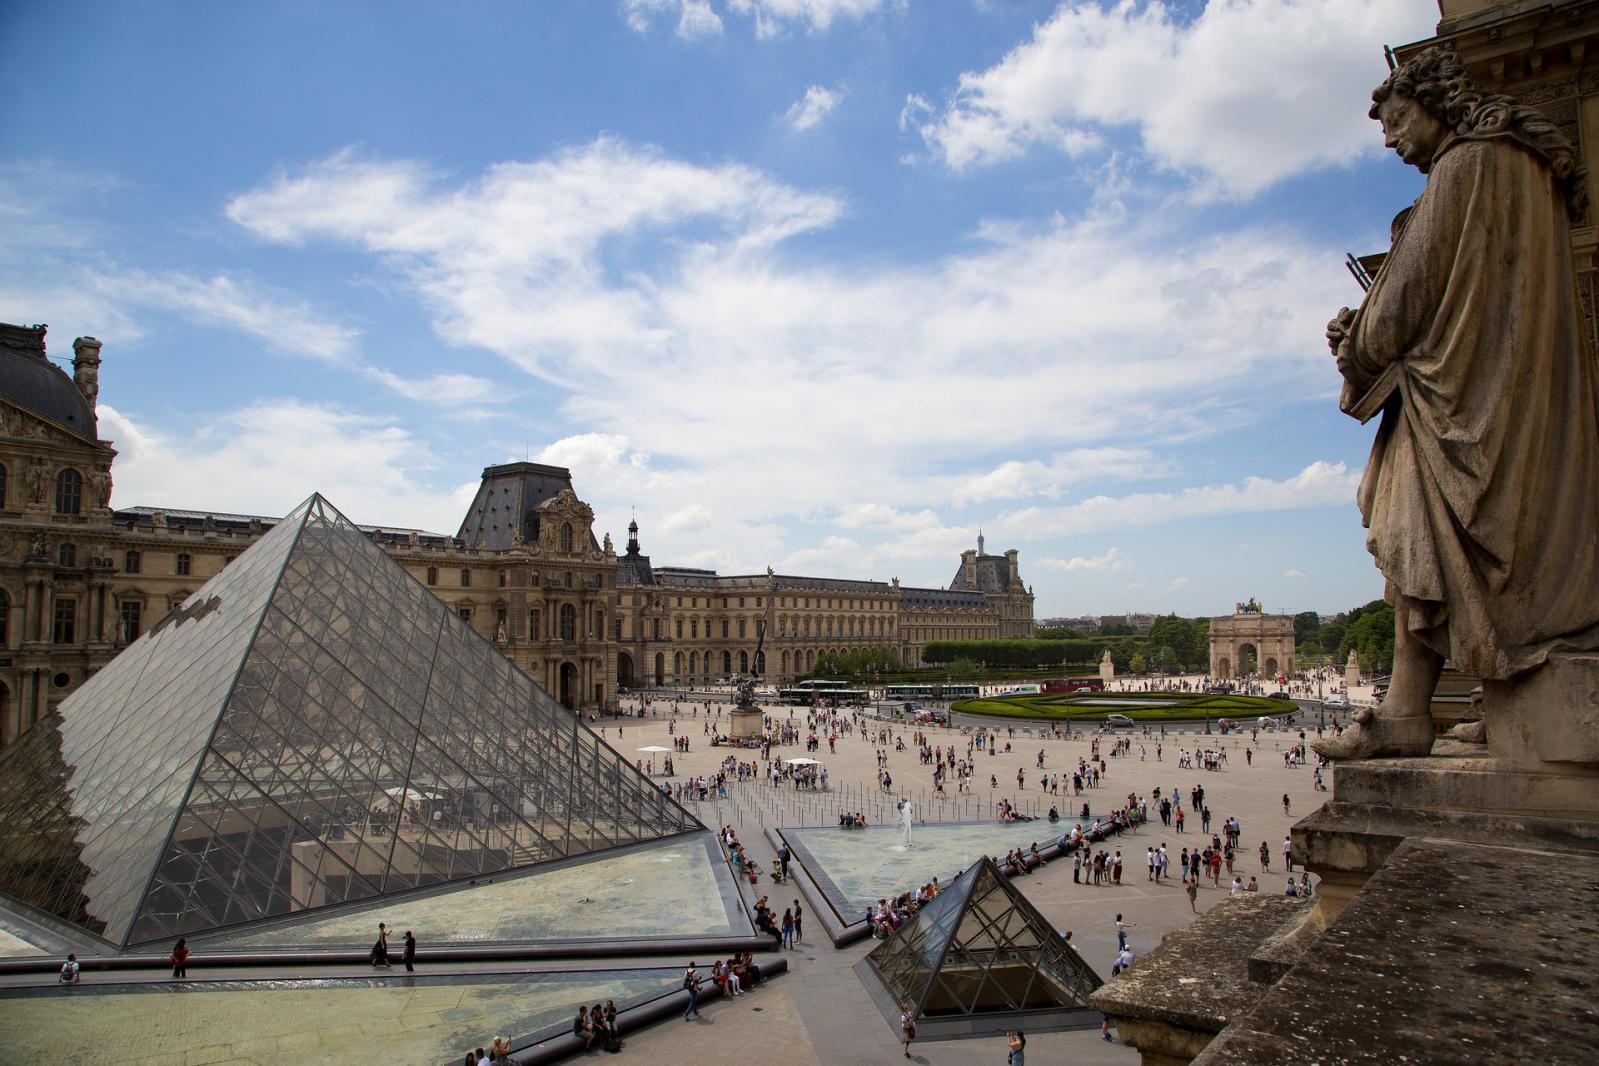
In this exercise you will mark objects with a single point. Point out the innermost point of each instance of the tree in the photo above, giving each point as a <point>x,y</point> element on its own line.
<point>1175,634</point>
<point>1139,664</point>
<point>1307,627</point>
<point>1166,659</point>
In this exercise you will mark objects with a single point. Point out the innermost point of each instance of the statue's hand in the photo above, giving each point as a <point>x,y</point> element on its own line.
<point>1338,328</point>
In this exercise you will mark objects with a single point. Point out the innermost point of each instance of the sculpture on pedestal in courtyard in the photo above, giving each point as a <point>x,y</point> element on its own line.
<point>1480,494</point>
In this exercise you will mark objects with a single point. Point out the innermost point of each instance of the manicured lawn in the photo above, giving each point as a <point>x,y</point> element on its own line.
<point>1150,706</point>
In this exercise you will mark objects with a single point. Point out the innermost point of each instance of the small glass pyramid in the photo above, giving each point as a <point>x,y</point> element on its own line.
<point>312,727</point>
<point>980,947</point>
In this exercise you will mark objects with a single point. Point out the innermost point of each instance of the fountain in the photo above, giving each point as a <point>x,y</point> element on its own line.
<point>905,814</point>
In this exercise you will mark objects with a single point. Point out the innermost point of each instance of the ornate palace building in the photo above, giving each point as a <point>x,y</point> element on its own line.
<point>80,580</point>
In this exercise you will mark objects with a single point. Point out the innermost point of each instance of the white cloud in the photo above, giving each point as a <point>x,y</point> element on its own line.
<point>1246,93</point>
<point>695,518</point>
<point>1177,582</point>
<point>695,18</point>
<point>286,324</point>
<point>267,457</point>
<point>817,103</point>
<point>698,18</point>
<point>1294,573</point>
<point>1112,561</point>
<point>446,390</point>
<point>772,16</point>
<point>1020,479</point>
<point>585,265</point>
<point>1321,484</point>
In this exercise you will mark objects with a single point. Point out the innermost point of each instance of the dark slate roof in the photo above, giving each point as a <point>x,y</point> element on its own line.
<point>912,597</point>
<point>634,568</point>
<point>507,498</point>
<point>831,584</point>
<point>993,574</point>
<point>143,518</point>
<point>28,377</point>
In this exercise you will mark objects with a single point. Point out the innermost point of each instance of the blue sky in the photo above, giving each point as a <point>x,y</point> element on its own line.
<point>825,285</point>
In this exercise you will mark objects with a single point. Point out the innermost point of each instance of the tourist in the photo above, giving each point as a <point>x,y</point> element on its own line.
<point>582,1028</point>
<point>799,922</point>
<point>1193,895</point>
<point>1265,857</point>
<point>1123,961</point>
<point>1238,886</point>
<point>907,1027</point>
<point>180,958</point>
<point>71,974</point>
<point>500,1049</point>
<point>380,950</point>
<point>788,928</point>
<point>1253,886</point>
<point>1288,853</point>
<point>691,985</point>
<point>1017,1044</point>
<point>1292,889</point>
<point>1121,933</point>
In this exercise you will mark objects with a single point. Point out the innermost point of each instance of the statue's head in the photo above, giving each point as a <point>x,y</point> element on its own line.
<point>1431,97</point>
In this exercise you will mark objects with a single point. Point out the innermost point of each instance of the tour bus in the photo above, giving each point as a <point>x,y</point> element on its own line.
<point>931,692</point>
<point>1074,684</point>
<point>822,693</point>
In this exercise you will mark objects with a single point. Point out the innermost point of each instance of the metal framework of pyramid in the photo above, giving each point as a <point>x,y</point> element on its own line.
<point>981,948</point>
<point>313,727</point>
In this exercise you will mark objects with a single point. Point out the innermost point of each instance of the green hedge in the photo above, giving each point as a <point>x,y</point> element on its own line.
<point>1163,706</point>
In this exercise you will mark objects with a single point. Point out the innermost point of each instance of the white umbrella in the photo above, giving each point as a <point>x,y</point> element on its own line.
<point>409,795</point>
<point>801,762</point>
<point>655,747</point>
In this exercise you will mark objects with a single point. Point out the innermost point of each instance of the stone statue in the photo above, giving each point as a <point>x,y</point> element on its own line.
<point>36,481</point>
<point>1479,494</point>
<point>609,548</point>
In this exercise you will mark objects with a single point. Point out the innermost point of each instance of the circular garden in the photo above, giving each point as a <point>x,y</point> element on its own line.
<point>1139,706</point>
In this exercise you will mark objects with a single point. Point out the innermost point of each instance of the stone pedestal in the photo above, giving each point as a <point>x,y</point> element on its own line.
<point>751,723</point>
<point>1460,793</point>
<point>1174,1000</point>
<point>1455,953</point>
<point>1549,716</point>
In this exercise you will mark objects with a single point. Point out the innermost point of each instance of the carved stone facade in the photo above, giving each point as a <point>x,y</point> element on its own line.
<point>79,581</point>
<point>1251,642</point>
<point>684,626</point>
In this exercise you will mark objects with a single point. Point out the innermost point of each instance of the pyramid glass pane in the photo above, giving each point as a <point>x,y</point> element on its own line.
<point>315,729</point>
<point>981,947</point>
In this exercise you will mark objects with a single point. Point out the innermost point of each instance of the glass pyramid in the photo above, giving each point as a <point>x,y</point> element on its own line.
<point>312,727</point>
<point>981,947</point>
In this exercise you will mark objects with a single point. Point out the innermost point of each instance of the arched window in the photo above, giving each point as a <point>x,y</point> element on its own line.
<point>131,563</point>
<point>568,622</point>
<point>433,575</point>
<point>679,629</point>
<point>677,664</point>
<point>69,491</point>
<point>727,662</point>
<point>566,536</point>
<point>693,663</point>
<point>743,662</point>
<point>184,566</point>
<point>67,555</point>
<point>466,578</point>
<point>724,629</point>
<point>741,629</point>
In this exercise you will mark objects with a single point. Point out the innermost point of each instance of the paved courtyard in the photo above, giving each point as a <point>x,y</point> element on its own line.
<point>819,1012</point>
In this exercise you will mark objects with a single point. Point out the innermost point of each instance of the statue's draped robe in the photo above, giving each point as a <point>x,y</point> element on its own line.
<point>1482,493</point>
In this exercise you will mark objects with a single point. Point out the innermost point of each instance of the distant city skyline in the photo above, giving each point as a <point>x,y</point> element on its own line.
<point>826,287</point>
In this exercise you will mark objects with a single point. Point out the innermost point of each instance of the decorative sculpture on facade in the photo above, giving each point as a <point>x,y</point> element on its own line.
<point>1479,494</point>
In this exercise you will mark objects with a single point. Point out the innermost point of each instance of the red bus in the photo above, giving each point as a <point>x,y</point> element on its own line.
<point>1073,684</point>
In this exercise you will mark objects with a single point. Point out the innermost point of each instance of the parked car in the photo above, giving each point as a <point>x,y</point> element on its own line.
<point>1336,702</point>
<point>1280,695</point>
<point>1118,721</point>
